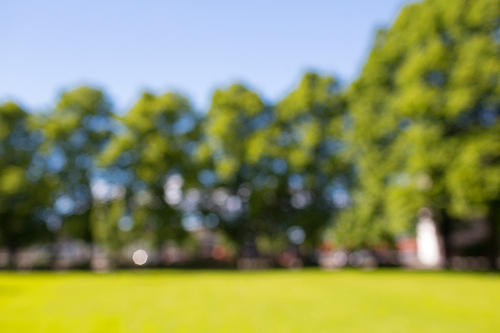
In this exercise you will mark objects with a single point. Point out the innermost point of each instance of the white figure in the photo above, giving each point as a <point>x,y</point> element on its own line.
<point>428,250</point>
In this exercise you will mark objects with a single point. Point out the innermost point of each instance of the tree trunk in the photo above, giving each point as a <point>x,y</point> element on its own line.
<point>89,237</point>
<point>493,218</point>
<point>445,230</point>
<point>12,251</point>
<point>54,252</point>
<point>92,255</point>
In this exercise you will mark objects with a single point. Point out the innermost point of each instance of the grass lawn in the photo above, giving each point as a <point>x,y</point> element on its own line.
<point>267,301</point>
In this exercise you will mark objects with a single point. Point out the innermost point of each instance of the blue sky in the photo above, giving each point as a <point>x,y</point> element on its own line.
<point>192,47</point>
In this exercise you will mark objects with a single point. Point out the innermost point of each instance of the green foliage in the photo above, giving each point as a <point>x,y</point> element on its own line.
<point>74,133</point>
<point>258,151</point>
<point>22,186</point>
<point>158,139</point>
<point>232,129</point>
<point>424,110</point>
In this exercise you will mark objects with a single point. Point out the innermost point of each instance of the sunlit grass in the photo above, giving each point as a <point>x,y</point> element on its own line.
<point>267,301</point>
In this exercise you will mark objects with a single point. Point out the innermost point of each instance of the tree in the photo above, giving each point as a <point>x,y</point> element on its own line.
<point>307,144</point>
<point>74,133</point>
<point>234,136</point>
<point>23,186</point>
<point>276,164</point>
<point>424,121</point>
<point>150,159</point>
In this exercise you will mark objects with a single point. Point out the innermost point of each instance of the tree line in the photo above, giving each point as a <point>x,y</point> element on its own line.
<point>352,165</point>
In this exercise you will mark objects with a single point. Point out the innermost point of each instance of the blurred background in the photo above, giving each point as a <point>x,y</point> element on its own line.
<point>394,161</point>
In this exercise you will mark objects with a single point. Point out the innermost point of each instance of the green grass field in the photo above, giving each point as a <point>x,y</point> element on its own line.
<point>267,301</point>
